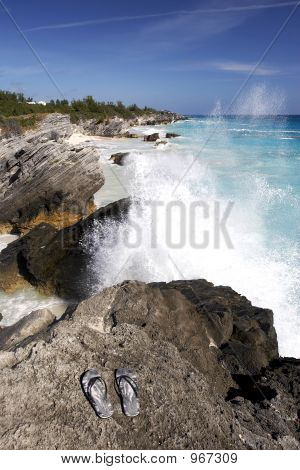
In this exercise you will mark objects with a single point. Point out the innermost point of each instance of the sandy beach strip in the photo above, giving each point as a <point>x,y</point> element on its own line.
<point>78,138</point>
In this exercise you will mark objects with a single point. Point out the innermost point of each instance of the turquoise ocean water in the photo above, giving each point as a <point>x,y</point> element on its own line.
<point>255,162</point>
<point>255,159</point>
<point>252,163</point>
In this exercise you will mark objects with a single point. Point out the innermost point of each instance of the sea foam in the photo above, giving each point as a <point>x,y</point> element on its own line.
<point>263,262</point>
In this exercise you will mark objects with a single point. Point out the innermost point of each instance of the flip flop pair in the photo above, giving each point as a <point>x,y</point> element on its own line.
<point>126,385</point>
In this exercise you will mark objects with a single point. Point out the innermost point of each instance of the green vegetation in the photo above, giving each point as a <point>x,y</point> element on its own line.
<point>9,127</point>
<point>15,107</point>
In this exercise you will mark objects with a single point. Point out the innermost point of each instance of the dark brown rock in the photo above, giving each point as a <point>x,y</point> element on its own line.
<point>119,158</point>
<point>151,137</point>
<point>245,334</point>
<point>57,260</point>
<point>171,135</point>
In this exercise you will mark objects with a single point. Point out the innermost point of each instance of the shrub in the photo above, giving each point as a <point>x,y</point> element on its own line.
<point>14,105</point>
<point>10,128</point>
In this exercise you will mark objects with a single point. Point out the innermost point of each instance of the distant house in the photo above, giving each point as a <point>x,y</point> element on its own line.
<point>37,102</point>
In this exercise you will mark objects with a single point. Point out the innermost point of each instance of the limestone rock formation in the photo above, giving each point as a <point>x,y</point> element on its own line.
<point>54,127</point>
<point>40,174</point>
<point>57,260</point>
<point>31,325</point>
<point>44,177</point>
<point>189,397</point>
<point>120,127</point>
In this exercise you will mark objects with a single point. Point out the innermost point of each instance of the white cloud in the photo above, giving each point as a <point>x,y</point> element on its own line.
<point>227,66</point>
<point>177,14</point>
<point>242,67</point>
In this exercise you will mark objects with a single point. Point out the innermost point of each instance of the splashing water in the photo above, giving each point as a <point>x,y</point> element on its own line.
<point>260,101</point>
<point>244,161</point>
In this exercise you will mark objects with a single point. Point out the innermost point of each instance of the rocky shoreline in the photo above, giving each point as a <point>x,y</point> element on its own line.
<point>43,177</point>
<point>207,360</point>
<point>207,363</point>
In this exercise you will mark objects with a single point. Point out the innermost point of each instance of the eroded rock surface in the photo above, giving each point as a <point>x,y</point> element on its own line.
<point>48,176</point>
<point>55,126</point>
<point>57,261</point>
<point>30,325</point>
<point>189,397</point>
<point>42,176</point>
<point>120,127</point>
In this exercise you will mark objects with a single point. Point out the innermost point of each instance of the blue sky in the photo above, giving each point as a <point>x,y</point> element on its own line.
<point>169,54</point>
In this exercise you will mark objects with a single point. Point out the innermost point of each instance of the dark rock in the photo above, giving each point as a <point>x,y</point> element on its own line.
<point>57,260</point>
<point>170,135</point>
<point>130,135</point>
<point>245,334</point>
<point>119,158</point>
<point>34,323</point>
<point>152,137</point>
<point>161,331</point>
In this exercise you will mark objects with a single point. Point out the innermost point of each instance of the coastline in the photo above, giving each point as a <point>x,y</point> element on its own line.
<point>114,187</point>
<point>225,348</point>
<point>28,298</point>
<point>117,179</point>
<point>79,138</point>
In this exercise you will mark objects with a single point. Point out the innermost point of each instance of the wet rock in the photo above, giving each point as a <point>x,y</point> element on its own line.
<point>161,142</point>
<point>119,158</point>
<point>161,331</point>
<point>57,261</point>
<point>151,137</point>
<point>131,135</point>
<point>30,325</point>
<point>171,135</point>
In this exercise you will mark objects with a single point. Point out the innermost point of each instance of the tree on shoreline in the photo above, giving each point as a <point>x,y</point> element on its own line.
<point>16,104</point>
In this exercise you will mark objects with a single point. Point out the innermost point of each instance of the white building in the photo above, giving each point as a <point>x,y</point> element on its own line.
<point>37,102</point>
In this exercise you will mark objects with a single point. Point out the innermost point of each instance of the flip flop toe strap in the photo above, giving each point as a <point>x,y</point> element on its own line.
<point>130,381</point>
<point>92,382</point>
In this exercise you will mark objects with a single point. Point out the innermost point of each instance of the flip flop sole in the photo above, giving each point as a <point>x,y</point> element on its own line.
<point>126,382</point>
<point>95,390</point>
